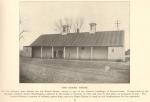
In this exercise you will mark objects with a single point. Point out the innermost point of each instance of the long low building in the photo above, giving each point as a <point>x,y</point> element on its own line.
<point>80,45</point>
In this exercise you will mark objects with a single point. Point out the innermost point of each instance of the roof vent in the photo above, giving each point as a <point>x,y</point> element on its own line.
<point>92,28</point>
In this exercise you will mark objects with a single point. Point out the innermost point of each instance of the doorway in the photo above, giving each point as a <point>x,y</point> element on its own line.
<point>58,54</point>
<point>55,54</point>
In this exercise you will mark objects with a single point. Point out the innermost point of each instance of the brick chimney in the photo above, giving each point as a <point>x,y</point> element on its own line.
<point>65,29</point>
<point>92,28</point>
<point>78,30</point>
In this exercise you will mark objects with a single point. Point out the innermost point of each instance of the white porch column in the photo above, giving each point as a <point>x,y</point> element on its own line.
<point>77,52</point>
<point>41,52</point>
<point>91,53</point>
<point>64,52</point>
<point>52,52</point>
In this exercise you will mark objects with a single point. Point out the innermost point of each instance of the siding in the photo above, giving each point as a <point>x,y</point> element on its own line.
<point>27,52</point>
<point>116,53</point>
<point>84,52</point>
<point>47,52</point>
<point>100,52</point>
<point>71,52</point>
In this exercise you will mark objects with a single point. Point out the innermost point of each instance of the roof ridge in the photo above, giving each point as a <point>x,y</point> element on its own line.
<point>85,32</point>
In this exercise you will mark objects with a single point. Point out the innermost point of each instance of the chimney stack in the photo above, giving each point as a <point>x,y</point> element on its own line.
<point>92,28</point>
<point>78,30</point>
<point>65,29</point>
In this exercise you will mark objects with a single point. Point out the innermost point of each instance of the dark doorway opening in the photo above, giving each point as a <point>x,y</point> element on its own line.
<point>54,54</point>
<point>60,54</point>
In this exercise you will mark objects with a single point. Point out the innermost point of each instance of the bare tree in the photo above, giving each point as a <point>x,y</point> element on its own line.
<point>21,34</point>
<point>69,22</point>
<point>78,24</point>
<point>21,31</point>
<point>58,25</point>
<point>73,26</point>
<point>61,22</point>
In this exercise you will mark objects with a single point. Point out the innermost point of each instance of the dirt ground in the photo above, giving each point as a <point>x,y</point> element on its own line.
<point>73,71</point>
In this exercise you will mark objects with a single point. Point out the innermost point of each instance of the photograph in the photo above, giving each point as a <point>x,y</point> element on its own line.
<point>74,42</point>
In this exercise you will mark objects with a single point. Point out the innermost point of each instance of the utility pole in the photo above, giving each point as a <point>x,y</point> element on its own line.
<point>117,24</point>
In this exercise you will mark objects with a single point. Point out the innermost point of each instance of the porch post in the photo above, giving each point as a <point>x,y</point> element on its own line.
<point>91,53</point>
<point>77,52</point>
<point>52,52</point>
<point>41,52</point>
<point>64,52</point>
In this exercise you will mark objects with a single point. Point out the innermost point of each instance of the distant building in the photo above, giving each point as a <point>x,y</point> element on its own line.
<point>127,55</point>
<point>80,45</point>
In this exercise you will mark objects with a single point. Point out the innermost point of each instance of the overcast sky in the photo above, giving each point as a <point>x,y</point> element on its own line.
<point>40,17</point>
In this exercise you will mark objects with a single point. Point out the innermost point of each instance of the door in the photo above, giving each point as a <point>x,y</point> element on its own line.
<point>60,54</point>
<point>55,54</point>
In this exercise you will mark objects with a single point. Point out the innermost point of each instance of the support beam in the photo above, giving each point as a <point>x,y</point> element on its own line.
<point>77,52</point>
<point>64,52</point>
<point>41,52</point>
<point>52,52</point>
<point>91,53</point>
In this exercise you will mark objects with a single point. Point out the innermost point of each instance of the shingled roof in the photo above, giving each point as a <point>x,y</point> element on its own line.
<point>104,38</point>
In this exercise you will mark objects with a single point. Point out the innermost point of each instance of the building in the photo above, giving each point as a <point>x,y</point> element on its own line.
<point>127,55</point>
<point>79,45</point>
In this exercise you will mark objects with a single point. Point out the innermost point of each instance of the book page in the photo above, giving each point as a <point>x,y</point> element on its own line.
<point>74,51</point>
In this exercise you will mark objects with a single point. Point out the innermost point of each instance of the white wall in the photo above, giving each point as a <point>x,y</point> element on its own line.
<point>100,52</point>
<point>71,52</point>
<point>116,53</point>
<point>84,52</point>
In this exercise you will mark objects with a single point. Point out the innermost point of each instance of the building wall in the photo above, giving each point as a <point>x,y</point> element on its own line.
<point>71,52</point>
<point>58,52</point>
<point>116,53</point>
<point>100,52</point>
<point>27,52</point>
<point>47,52</point>
<point>84,52</point>
<point>36,52</point>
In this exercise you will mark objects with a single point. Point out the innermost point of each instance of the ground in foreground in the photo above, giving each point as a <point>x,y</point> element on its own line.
<point>73,71</point>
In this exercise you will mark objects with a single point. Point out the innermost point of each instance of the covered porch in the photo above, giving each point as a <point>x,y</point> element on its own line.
<point>70,52</point>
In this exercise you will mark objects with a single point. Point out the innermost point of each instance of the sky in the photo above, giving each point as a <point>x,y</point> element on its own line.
<point>40,17</point>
